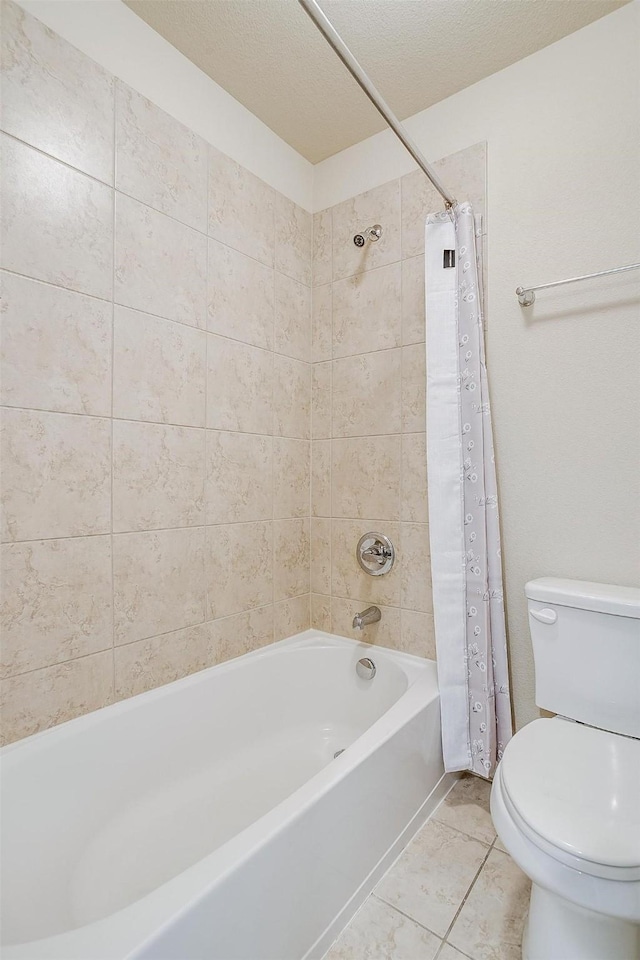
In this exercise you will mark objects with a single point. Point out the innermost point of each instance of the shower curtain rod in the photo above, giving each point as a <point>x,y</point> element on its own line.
<point>336,42</point>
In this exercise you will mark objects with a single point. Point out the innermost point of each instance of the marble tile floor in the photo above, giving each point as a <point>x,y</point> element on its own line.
<point>453,894</point>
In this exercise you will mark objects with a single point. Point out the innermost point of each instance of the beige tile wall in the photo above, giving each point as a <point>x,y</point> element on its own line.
<point>156,391</point>
<point>368,449</point>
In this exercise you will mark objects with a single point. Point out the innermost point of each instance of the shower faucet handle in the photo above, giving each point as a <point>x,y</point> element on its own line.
<point>375,554</point>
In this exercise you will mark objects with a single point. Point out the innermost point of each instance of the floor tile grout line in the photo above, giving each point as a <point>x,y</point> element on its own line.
<point>444,944</point>
<point>465,833</point>
<point>467,894</point>
<point>390,869</point>
<point>376,896</point>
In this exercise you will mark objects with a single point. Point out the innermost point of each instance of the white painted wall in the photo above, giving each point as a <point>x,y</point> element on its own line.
<point>115,37</point>
<point>563,132</point>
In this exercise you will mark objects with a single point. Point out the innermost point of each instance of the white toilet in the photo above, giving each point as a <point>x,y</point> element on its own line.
<point>566,797</point>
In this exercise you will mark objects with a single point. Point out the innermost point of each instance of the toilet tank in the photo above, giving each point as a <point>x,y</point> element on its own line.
<point>586,647</point>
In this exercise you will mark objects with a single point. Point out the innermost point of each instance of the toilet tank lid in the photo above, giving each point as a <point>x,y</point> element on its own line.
<point>584,595</point>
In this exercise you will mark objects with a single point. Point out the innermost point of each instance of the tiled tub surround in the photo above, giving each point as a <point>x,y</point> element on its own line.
<point>156,391</point>
<point>368,450</point>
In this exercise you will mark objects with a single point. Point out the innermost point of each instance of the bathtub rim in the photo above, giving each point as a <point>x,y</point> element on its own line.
<point>415,667</point>
<point>126,931</point>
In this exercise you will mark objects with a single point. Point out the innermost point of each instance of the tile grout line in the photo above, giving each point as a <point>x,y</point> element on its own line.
<point>206,400</point>
<point>205,329</point>
<point>272,400</point>
<point>163,213</point>
<point>113,321</point>
<point>408,916</point>
<point>467,894</point>
<point>157,423</point>
<point>153,636</point>
<point>204,526</point>
<point>432,818</point>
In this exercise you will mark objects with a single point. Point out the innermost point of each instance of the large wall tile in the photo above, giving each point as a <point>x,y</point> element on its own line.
<point>321,478</point>
<point>414,388</point>
<point>291,398</point>
<point>241,208</point>
<point>321,556</point>
<point>464,173</point>
<point>55,97</point>
<point>322,264</point>
<point>385,633</point>
<point>321,323</point>
<point>128,521</point>
<point>158,476</point>
<point>291,547</point>
<point>365,478</point>
<point>367,395</point>
<point>56,349</point>
<point>321,612</point>
<point>347,577</point>
<point>293,228</point>
<point>43,698</point>
<point>57,224</point>
<point>293,318</point>
<point>234,636</point>
<point>161,264</point>
<point>413,301</point>
<point>415,503</point>
<point>321,401</point>
<point>419,198</point>
<point>238,477</point>
<point>146,664</point>
<point>56,602</point>
<point>367,312</point>
<point>291,617</point>
<point>239,567</point>
<point>380,205</point>
<point>240,296</point>
<point>159,369</point>
<point>291,478</point>
<point>159,160</point>
<point>159,582</point>
<point>418,634</point>
<point>57,475</point>
<point>416,567</point>
<point>239,387</point>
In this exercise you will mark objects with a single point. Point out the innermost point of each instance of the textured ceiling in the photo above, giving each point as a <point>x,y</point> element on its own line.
<point>270,57</point>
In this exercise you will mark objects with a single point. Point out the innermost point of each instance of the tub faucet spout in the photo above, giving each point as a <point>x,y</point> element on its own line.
<point>370,615</point>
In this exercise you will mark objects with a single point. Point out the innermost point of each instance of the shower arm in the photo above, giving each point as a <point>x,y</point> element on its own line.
<point>338,45</point>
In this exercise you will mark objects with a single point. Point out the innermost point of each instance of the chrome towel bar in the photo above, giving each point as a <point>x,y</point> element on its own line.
<point>527,296</point>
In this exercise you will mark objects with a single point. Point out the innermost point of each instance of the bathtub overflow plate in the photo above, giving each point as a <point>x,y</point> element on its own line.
<point>376,554</point>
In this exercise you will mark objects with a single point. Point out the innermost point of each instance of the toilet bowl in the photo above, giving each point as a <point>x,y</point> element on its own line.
<point>566,797</point>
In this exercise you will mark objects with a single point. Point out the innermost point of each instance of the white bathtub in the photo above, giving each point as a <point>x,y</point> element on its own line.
<point>209,819</point>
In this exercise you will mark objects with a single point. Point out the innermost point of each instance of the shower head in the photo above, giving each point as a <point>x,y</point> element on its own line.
<point>372,233</point>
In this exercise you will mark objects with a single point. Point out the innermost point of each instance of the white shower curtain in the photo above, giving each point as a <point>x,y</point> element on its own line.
<point>463,504</point>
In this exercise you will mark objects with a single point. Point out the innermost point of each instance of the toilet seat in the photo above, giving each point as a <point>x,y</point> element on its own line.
<point>574,791</point>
